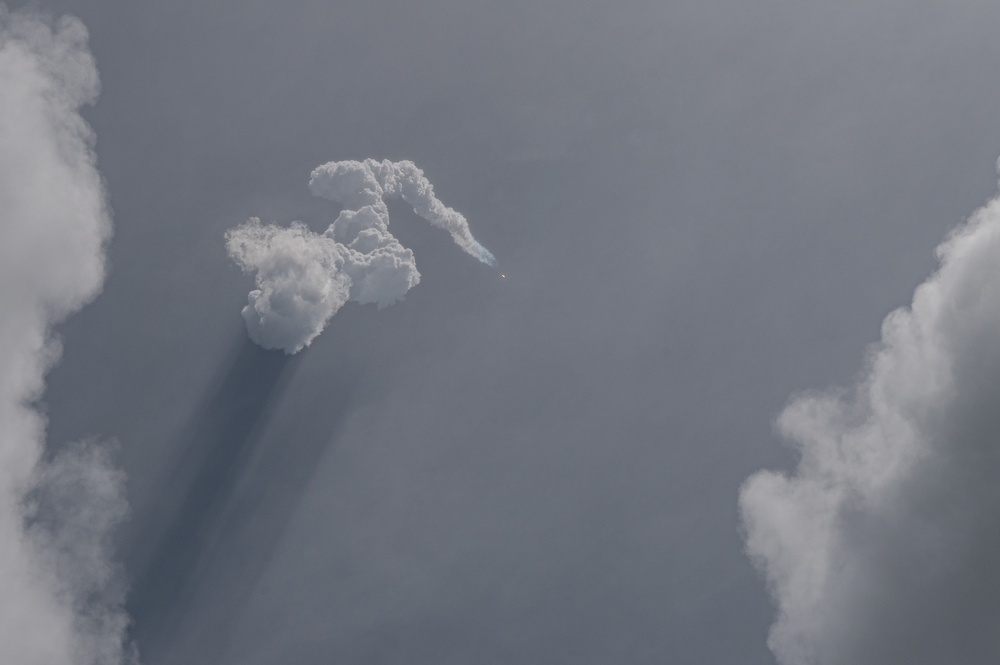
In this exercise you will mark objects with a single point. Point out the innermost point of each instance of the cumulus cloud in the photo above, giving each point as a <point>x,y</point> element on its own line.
<point>303,278</point>
<point>61,600</point>
<point>76,502</point>
<point>881,547</point>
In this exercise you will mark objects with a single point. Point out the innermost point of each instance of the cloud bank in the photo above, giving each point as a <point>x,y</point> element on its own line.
<point>882,546</point>
<point>60,592</point>
<point>303,278</point>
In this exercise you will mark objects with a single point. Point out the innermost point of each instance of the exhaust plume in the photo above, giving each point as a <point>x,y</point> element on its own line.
<point>62,594</point>
<point>881,547</point>
<point>303,278</point>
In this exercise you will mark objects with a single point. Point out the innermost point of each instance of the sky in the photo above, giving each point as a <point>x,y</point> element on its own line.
<point>732,402</point>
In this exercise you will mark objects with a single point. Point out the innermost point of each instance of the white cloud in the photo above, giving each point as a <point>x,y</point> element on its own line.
<point>882,546</point>
<point>303,278</point>
<point>77,501</point>
<point>60,596</point>
<point>300,278</point>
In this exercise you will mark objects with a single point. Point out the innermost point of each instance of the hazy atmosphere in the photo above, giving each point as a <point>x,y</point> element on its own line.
<point>529,332</point>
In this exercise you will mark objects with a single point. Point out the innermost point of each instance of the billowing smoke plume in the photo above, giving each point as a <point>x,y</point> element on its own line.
<point>60,593</point>
<point>882,547</point>
<point>303,278</point>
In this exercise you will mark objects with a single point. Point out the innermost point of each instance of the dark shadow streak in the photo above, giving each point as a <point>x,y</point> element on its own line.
<point>209,456</point>
<point>255,520</point>
<point>237,491</point>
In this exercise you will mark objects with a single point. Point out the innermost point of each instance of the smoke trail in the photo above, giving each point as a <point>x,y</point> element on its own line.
<point>881,547</point>
<point>358,184</point>
<point>61,598</point>
<point>303,278</point>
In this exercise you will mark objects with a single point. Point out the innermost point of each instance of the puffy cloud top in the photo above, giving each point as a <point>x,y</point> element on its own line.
<point>881,547</point>
<point>62,593</point>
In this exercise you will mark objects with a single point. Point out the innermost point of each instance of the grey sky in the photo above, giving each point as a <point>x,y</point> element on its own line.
<point>702,207</point>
